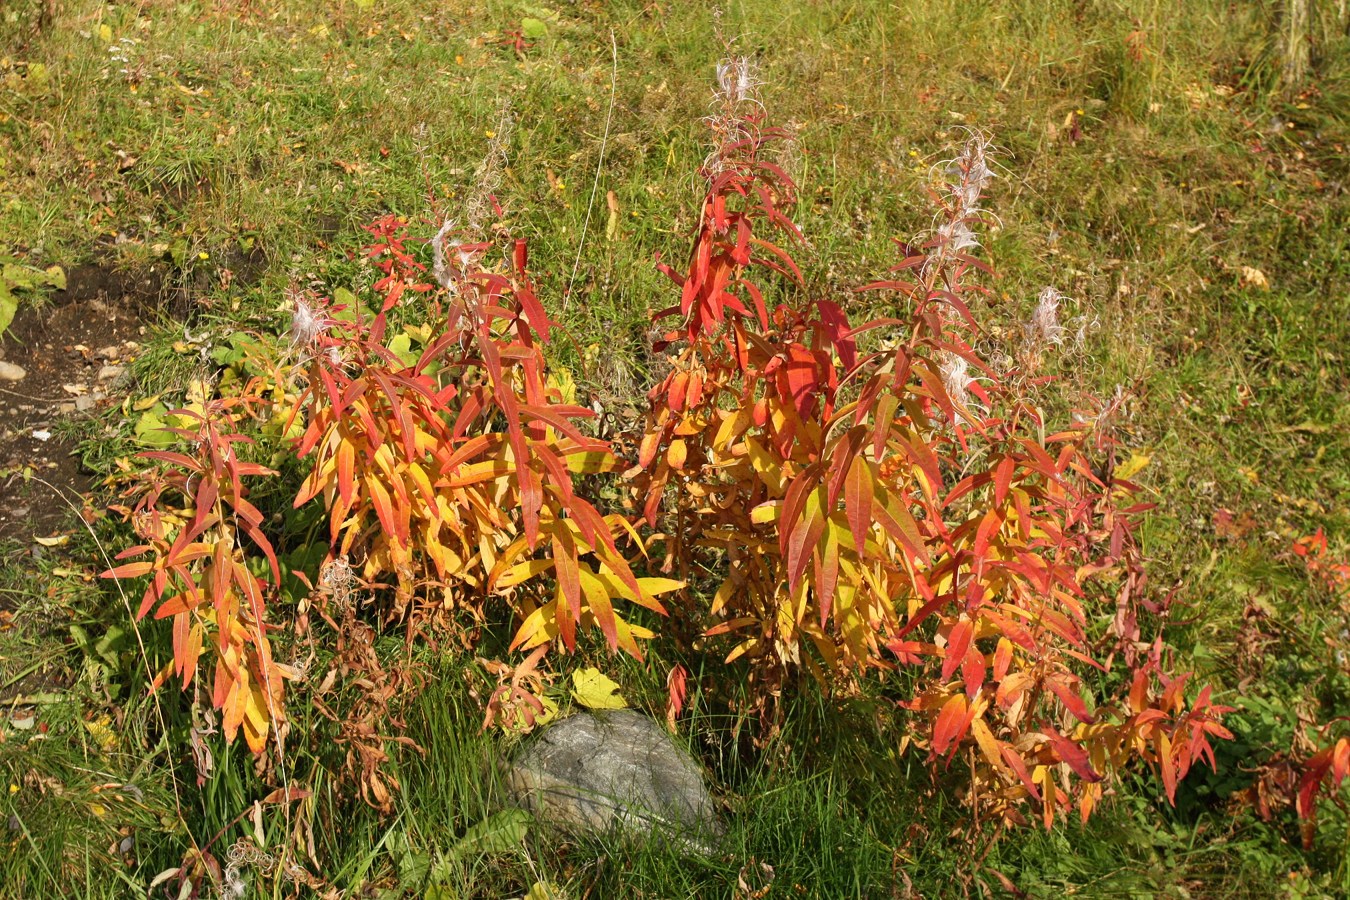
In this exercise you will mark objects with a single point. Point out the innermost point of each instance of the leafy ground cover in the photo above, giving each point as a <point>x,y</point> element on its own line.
<point>219,156</point>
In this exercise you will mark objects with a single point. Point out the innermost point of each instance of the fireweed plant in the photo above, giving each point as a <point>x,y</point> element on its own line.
<point>858,498</point>
<point>905,508</point>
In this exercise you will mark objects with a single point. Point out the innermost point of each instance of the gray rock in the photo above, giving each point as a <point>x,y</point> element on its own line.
<point>615,770</point>
<point>11,372</point>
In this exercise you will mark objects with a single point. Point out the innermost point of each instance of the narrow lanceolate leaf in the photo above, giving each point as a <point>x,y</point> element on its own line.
<point>900,525</point>
<point>597,600</point>
<point>1002,658</point>
<point>1003,474</point>
<point>827,571</point>
<point>677,689</point>
<point>989,745</point>
<point>568,571</point>
<point>1167,766</point>
<point>958,642</point>
<point>858,488</point>
<point>1072,700</point>
<point>1074,755</point>
<point>1019,768</point>
<point>951,724</point>
<point>804,536</point>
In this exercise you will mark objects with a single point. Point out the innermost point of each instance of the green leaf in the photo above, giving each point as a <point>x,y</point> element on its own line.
<point>19,278</point>
<point>350,303</point>
<point>533,28</point>
<point>9,305</point>
<point>401,346</point>
<point>501,832</point>
<point>108,646</point>
<point>150,427</point>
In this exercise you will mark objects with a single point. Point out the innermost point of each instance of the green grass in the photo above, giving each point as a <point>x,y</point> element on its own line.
<point>259,141</point>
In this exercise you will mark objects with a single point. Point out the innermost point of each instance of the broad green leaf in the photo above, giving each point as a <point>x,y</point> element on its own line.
<point>9,304</point>
<point>401,346</point>
<point>500,832</point>
<point>350,305</point>
<point>150,427</point>
<point>533,28</point>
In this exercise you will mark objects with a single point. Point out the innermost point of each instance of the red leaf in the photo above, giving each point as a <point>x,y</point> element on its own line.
<point>958,642</point>
<point>973,671</point>
<point>858,500</point>
<point>1074,755</point>
<point>827,575</point>
<point>1071,699</point>
<point>1002,479</point>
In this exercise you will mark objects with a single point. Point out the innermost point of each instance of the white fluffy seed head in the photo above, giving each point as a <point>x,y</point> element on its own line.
<point>307,323</point>
<point>957,236</point>
<point>955,372</point>
<point>1044,326</point>
<point>737,80</point>
<point>438,268</point>
<point>969,172</point>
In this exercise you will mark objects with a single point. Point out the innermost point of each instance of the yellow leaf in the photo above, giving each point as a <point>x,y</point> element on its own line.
<point>677,454</point>
<point>199,391</point>
<point>1253,277</point>
<point>562,381</point>
<point>542,890</point>
<point>54,541</point>
<point>766,512</point>
<point>522,572</point>
<point>550,711</point>
<point>101,731</point>
<point>594,690</point>
<point>1134,465</point>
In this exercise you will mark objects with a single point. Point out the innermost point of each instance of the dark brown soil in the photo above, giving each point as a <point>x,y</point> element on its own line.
<point>63,345</point>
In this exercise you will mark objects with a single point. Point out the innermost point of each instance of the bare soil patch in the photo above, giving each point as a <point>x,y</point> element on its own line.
<point>72,349</point>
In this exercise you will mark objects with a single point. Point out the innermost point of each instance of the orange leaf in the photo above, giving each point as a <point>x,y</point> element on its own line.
<point>958,641</point>
<point>951,724</point>
<point>677,690</point>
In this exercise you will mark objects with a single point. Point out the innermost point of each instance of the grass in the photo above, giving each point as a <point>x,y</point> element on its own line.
<point>231,150</point>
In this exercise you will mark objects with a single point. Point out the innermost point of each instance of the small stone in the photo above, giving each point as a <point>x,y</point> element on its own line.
<point>85,403</point>
<point>108,373</point>
<point>601,771</point>
<point>107,352</point>
<point>11,372</point>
